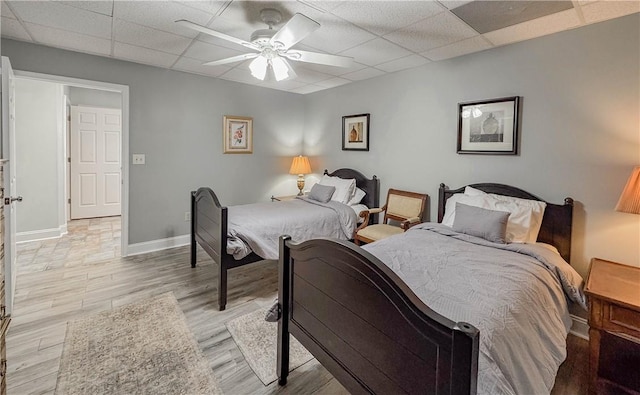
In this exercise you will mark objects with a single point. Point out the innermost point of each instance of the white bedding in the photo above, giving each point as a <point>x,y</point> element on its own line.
<point>515,294</point>
<point>258,227</point>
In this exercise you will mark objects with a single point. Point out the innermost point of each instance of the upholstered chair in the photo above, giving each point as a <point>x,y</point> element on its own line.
<point>403,210</point>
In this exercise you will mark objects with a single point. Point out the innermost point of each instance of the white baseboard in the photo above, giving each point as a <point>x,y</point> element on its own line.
<point>42,234</point>
<point>157,245</point>
<point>580,327</point>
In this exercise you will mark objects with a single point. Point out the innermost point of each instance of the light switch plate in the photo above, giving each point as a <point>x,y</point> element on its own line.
<point>138,159</point>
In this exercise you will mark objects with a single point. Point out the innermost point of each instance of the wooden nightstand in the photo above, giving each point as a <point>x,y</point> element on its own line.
<point>614,333</point>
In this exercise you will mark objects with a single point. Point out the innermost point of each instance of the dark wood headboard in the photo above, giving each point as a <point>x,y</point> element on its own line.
<point>370,186</point>
<point>556,223</point>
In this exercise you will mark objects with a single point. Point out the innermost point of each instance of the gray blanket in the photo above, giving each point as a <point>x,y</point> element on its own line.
<point>257,227</point>
<point>515,294</point>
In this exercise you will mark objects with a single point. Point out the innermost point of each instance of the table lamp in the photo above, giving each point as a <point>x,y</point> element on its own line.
<point>300,166</point>
<point>630,199</point>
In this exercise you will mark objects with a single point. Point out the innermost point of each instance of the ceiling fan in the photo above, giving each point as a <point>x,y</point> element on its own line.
<point>274,47</point>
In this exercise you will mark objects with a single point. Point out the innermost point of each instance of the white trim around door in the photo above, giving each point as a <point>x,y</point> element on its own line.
<point>124,90</point>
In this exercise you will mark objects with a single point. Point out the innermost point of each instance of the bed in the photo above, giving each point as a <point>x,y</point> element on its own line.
<point>210,225</point>
<point>363,320</point>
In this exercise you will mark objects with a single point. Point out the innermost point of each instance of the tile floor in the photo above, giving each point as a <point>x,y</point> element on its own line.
<point>88,241</point>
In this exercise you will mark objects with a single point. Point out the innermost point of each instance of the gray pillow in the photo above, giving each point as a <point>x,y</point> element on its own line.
<point>321,193</point>
<point>491,225</point>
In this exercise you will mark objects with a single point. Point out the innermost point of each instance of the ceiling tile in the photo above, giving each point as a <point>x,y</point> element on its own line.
<point>240,75</point>
<point>487,16</point>
<point>363,74</point>
<point>143,55</point>
<point>161,15</point>
<point>332,70</point>
<point>308,89</point>
<point>451,4</point>
<point>322,5</point>
<point>333,82</point>
<point>375,52</point>
<point>210,6</point>
<point>248,12</point>
<point>603,10</point>
<point>407,62</point>
<point>195,66</point>
<point>307,75</point>
<point>131,33</point>
<point>11,28</point>
<point>230,28</point>
<point>209,52</point>
<point>60,16</point>
<point>382,17</point>
<point>535,28</point>
<point>336,35</point>
<point>285,85</point>
<point>473,44</point>
<point>434,32</point>
<point>5,11</point>
<point>103,7</point>
<point>69,40</point>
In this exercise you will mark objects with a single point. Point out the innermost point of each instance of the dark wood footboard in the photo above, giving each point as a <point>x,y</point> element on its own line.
<point>365,325</point>
<point>209,229</point>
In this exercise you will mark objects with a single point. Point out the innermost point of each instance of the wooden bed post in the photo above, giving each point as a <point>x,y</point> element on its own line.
<point>464,360</point>
<point>222,265</point>
<point>193,228</point>
<point>284,282</point>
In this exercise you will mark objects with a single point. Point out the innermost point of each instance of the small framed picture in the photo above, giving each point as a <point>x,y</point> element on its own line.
<point>237,135</point>
<point>489,126</point>
<point>355,132</point>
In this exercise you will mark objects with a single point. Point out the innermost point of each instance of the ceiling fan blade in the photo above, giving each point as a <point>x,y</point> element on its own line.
<point>292,73</point>
<point>232,59</point>
<point>320,58</point>
<point>211,32</point>
<point>293,31</point>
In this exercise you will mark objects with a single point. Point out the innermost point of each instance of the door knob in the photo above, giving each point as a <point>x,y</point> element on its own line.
<point>9,200</point>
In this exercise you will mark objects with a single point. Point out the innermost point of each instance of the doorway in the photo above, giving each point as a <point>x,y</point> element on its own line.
<point>117,153</point>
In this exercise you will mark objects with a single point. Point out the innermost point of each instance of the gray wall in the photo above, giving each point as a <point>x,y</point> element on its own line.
<point>38,117</point>
<point>580,127</point>
<point>94,98</point>
<point>176,120</point>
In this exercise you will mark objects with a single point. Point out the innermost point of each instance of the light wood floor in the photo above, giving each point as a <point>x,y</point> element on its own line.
<point>47,299</point>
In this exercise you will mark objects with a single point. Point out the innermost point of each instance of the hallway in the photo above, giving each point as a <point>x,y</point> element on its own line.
<point>87,242</point>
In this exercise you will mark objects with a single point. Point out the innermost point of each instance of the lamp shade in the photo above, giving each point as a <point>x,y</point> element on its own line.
<point>630,199</point>
<point>300,165</point>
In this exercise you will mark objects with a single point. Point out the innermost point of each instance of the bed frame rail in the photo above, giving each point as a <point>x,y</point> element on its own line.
<point>365,325</point>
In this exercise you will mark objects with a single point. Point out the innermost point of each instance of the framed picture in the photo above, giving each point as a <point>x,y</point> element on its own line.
<point>489,126</point>
<point>237,135</point>
<point>355,132</point>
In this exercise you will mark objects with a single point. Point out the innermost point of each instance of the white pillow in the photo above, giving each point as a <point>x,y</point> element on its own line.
<point>518,224</point>
<point>471,191</point>
<point>344,188</point>
<point>450,207</point>
<point>537,213</point>
<point>534,222</point>
<point>357,197</point>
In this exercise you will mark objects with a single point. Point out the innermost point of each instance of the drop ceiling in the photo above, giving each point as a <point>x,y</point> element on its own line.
<point>381,36</point>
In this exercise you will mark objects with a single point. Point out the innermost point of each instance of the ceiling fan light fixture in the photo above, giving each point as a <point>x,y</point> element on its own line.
<point>280,68</point>
<point>258,67</point>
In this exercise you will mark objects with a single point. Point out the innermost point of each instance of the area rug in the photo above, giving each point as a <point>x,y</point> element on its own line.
<point>141,348</point>
<point>258,341</point>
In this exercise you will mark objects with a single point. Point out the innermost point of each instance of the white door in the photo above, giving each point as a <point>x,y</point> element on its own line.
<point>9,153</point>
<point>95,161</point>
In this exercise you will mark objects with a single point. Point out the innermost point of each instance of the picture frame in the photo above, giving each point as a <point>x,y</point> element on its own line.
<point>237,135</point>
<point>489,126</point>
<point>355,132</point>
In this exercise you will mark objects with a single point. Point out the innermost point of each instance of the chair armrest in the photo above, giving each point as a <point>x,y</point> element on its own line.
<point>376,210</point>
<point>407,223</point>
<point>363,214</point>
